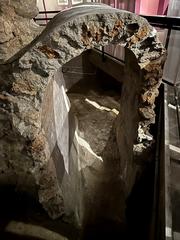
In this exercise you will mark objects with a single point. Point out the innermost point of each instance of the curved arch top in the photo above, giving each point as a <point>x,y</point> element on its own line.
<point>83,27</point>
<point>88,25</point>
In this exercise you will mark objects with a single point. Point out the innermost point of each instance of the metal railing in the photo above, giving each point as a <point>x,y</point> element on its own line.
<point>170,23</point>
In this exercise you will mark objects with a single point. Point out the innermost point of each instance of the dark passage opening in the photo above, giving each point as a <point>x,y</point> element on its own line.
<point>95,101</point>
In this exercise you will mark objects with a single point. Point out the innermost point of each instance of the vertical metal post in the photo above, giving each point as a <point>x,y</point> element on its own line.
<point>103,55</point>
<point>177,109</point>
<point>168,37</point>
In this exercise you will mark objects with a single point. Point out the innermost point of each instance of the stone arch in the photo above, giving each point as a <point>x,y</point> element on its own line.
<point>30,70</point>
<point>85,26</point>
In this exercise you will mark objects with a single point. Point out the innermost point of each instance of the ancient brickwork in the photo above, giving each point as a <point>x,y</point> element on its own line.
<point>27,70</point>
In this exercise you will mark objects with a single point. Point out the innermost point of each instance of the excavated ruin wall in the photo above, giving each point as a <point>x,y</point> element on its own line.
<point>27,100</point>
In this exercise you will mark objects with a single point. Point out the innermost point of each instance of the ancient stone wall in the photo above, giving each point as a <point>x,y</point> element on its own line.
<point>30,93</point>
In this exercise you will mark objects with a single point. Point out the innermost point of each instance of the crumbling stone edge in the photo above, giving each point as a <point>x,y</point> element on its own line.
<point>29,71</point>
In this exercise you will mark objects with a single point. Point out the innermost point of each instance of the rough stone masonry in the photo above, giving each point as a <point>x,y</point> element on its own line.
<point>33,104</point>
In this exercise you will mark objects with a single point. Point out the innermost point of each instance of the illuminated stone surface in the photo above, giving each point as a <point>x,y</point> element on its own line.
<point>34,108</point>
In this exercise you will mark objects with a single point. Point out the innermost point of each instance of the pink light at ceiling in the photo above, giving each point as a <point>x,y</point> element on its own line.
<point>151,7</point>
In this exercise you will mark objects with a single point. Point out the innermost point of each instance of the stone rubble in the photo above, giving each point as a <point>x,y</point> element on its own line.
<point>29,59</point>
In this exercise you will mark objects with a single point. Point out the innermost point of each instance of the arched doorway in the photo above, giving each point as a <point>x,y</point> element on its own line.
<point>39,105</point>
